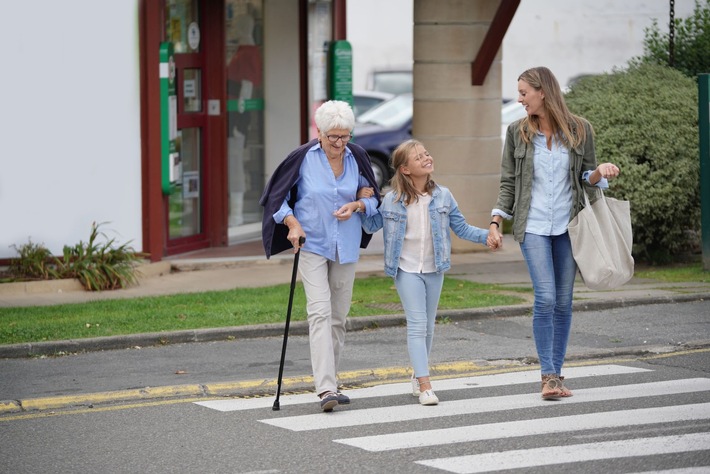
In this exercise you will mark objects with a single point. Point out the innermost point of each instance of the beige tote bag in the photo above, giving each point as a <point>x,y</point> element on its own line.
<point>601,242</point>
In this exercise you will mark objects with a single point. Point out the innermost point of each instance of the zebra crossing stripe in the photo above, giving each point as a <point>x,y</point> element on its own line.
<point>526,458</point>
<point>512,429</point>
<point>414,411</point>
<point>461,383</point>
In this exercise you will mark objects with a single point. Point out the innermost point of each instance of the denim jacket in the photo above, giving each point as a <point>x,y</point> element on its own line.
<point>444,214</point>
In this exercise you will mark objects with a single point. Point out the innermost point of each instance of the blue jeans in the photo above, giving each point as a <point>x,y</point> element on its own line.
<point>552,271</point>
<point>419,293</point>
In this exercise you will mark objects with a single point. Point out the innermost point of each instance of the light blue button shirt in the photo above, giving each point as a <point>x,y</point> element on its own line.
<point>551,189</point>
<point>320,194</point>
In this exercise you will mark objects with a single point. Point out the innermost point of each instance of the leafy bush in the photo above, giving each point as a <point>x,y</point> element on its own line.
<point>34,262</point>
<point>646,121</point>
<point>691,43</point>
<point>98,266</point>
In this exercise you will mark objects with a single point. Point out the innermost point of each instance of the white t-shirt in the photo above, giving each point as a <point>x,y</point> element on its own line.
<point>418,246</point>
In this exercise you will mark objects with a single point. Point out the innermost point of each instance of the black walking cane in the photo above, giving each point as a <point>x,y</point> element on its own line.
<point>301,241</point>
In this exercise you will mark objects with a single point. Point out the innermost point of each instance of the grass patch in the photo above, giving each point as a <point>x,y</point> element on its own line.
<point>676,273</point>
<point>238,307</point>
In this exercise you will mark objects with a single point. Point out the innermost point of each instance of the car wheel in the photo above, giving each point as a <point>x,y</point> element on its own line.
<point>381,170</point>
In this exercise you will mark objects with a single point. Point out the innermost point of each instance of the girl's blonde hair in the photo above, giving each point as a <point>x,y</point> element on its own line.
<point>561,119</point>
<point>401,183</point>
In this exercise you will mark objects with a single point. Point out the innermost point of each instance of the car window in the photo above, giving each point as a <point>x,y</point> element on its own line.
<point>363,104</point>
<point>395,82</point>
<point>390,113</point>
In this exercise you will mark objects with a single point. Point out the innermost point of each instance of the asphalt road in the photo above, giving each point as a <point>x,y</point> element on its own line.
<point>641,378</point>
<point>250,366</point>
<point>637,414</point>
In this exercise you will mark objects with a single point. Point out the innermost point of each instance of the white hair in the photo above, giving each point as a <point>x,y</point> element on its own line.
<point>334,114</point>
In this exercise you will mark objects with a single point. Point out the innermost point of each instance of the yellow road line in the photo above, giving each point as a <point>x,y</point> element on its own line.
<point>49,414</point>
<point>18,409</point>
<point>47,403</point>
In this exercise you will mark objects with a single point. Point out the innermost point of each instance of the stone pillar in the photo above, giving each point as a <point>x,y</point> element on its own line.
<point>458,123</point>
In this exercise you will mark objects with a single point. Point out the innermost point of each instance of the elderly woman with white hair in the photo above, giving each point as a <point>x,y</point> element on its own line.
<point>313,194</point>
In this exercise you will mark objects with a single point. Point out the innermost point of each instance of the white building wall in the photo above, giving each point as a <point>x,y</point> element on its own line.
<point>580,37</point>
<point>570,37</point>
<point>381,33</point>
<point>70,127</point>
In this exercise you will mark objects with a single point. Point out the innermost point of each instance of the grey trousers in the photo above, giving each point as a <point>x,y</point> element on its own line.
<point>329,288</point>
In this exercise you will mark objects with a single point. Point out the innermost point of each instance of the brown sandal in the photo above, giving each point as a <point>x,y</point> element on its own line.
<point>551,387</point>
<point>565,391</point>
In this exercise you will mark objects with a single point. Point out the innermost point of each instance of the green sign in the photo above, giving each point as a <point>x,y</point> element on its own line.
<point>340,71</point>
<point>170,155</point>
<point>244,105</point>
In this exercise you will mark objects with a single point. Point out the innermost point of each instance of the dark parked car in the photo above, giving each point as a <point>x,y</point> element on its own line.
<point>381,129</point>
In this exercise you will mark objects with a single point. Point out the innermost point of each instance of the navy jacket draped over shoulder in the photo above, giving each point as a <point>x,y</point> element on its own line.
<point>283,180</point>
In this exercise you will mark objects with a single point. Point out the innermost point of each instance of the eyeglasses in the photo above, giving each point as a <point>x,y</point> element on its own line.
<point>335,138</point>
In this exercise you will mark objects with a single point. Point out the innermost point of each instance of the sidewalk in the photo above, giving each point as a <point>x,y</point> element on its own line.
<point>244,266</point>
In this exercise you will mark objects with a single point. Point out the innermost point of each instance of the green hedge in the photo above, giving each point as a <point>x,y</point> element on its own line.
<point>645,120</point>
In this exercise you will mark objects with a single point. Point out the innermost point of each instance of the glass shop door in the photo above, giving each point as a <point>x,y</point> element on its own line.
<point>244,34</point>
<point>186,205</point>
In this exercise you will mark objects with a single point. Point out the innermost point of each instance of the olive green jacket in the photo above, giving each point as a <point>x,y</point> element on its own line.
<point>517,175</point>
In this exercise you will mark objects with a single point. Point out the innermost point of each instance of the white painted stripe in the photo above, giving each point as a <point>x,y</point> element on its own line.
<point>680,470</point>
<point>512,429</point>
<point>239,404</point>
<point>164,70</point>
<point>525,458</point>
<point>414,411</point>
<point>463,383</point>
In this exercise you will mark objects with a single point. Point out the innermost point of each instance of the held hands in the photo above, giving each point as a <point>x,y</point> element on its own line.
<point>495,238</point>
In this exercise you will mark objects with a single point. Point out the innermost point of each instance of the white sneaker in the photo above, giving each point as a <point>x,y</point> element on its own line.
<point>427,397</point>
<point>415,386</point>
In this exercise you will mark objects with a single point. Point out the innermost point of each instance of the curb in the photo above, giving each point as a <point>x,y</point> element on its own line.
<point>304,384</point>
<point>32,349</point>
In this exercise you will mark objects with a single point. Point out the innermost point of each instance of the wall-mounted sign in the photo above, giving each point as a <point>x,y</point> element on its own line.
<point>188,88</point>
<point>193,36</point>
<point>169,147</point>
<point>340,72</point>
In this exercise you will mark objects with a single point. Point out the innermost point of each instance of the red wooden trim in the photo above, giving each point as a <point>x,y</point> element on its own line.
<point>303,55</point>
<point>491,43</point>
<point>339,20</point>
<point>215,135</point>
<point>191,120</point>
<point>187,244</point>
<point>154,231</point>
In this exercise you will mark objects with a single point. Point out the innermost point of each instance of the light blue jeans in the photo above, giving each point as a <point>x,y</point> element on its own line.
<point>419,293</point>
<point>552,271</point>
